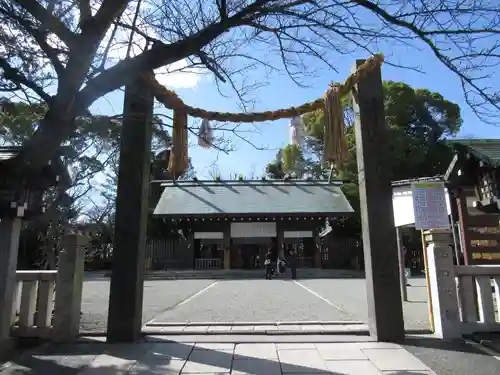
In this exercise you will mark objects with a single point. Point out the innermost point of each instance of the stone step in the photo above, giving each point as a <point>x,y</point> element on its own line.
<point>249,274</point>
<point>245,274</point>
<point>255,328</point>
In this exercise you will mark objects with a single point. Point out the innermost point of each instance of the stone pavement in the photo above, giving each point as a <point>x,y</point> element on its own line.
<point>257,328</point>
<point>157,355</point>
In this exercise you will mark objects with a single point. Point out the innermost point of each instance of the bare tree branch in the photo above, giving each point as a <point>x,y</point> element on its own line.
<point>49,22</point>
<point>14,75</point>
<point>234,40</point>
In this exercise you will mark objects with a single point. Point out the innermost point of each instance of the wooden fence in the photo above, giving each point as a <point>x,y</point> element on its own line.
<point>208,264</point>
<point>167,254</point>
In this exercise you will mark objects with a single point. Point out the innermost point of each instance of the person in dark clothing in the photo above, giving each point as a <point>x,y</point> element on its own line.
<point>268,264</point>
<point>292,261</point>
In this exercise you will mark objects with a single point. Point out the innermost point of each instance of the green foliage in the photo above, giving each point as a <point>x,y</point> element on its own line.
<point>90,151</point>
<point>418,121</point>
<point>18,122</point>
<point>293,158</point>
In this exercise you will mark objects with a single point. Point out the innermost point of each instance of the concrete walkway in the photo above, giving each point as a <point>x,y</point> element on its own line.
<point>348,355</point>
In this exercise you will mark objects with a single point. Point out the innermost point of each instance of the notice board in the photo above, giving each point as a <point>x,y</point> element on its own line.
<point>429,206</point>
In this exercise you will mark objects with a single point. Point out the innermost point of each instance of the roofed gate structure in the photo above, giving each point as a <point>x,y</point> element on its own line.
<point>232,224</point>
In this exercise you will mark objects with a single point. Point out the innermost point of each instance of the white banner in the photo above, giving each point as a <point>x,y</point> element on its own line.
<point>208,235</point>
<point>298,234</point>
<point>242,230</point>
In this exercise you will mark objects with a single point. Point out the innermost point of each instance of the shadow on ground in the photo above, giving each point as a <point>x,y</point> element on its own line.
<point>155,355</point>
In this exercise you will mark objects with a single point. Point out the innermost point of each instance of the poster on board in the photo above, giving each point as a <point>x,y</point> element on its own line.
<point>429,206</point>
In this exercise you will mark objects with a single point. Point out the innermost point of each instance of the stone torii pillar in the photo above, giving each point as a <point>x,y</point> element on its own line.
<point>10,229</point>
<point>385,310</point>
<point>127,278</point>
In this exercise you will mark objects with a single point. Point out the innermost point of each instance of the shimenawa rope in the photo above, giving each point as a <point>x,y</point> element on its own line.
<point>335,143</point>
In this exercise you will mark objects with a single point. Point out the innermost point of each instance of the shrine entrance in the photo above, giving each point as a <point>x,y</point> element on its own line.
<point>385,315</point>
<point>247,253</point>
<point>250,255</point>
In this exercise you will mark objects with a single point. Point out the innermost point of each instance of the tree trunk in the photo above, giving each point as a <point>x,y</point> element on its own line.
<point>53,130</point>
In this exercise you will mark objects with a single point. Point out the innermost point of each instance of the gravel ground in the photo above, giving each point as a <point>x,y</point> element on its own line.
<point>350,295</point>
<point>249,301</point>
<point>452,357</point>
<point>254,301</point>
<point>158,296</point>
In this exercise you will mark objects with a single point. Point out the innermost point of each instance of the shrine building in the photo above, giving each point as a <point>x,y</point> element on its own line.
<point>232,224</point>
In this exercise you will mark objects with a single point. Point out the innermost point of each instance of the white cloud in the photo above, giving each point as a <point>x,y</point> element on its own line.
<point>177,75</point>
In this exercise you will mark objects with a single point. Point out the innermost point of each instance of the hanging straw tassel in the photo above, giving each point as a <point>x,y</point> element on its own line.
<point>335,151</point>
<point>205,134</point>
<point>178,162</point>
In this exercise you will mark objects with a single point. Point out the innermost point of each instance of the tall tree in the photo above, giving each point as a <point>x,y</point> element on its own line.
<point>417,119</point>
<point>86,153</point>
<point>89,153</point>
<point>67,46</point>
<point>418,122</point>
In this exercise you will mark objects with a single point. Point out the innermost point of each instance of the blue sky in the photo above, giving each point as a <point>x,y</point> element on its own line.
<point>282,92</point>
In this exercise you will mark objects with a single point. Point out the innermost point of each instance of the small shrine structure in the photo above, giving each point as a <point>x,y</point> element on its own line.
<point>473,178</point>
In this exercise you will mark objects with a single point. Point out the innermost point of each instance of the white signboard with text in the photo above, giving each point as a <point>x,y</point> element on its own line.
<point>430,206</point>
<point>249,230</point>
<point>209,235</point>
<point>298,234</point>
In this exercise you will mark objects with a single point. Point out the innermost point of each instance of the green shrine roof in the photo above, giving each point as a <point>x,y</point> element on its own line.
<point>487,150</point>
<point>269,197</point>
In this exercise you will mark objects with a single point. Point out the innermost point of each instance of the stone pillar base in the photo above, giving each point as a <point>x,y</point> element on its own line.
<point>9,244</point>
<point>444,300</point>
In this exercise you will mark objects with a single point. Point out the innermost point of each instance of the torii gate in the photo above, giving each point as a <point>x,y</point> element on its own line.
<point>385,313</point>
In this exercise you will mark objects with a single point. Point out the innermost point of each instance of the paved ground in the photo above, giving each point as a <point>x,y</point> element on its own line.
<point>261,355</point>
<point>346,358</point>
<point>250,301</point>
<point>453,357</point>
<point>159,296</point>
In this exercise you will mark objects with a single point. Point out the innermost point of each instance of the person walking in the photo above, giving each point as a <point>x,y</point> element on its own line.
<point>268,264</point>
<point>292,261</point>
